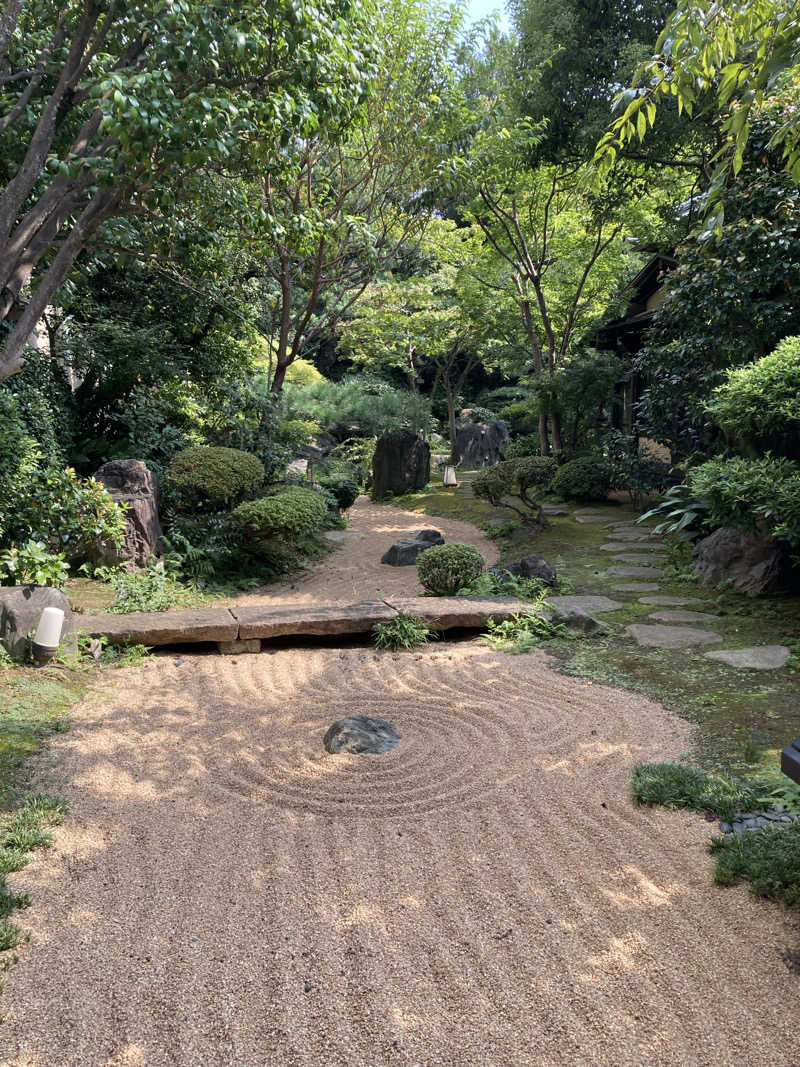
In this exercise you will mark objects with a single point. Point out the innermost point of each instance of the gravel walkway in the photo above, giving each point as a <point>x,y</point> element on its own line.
<point>355,572</point>
<point>226,893</point>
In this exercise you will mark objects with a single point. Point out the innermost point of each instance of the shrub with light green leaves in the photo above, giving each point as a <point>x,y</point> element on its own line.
<point>287,514</point>
<point>444,569</point>
<point>762,398</point>
<point>760,496</point>
<point>216,475</point>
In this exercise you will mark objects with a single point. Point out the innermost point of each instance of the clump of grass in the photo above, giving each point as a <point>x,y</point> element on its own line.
<point>404,632</point>
<point>522,632</point>
<point>28,828</point>
<point>674,785</point>
<point>769,858</point>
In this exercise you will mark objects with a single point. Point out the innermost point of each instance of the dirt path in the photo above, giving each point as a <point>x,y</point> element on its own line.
<point>225,893</point>
<point>355,572</point>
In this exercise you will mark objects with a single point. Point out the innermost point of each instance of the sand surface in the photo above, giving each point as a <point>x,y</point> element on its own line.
<point>226,893</point>
<point>354,571</point>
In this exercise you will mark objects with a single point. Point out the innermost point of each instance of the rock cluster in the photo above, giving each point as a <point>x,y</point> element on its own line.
<point>405,550</point>
<point>754,820</point>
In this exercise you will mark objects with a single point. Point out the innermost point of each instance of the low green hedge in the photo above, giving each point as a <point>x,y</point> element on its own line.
<point>584,478</point>
<point>444,569</point>
<point>218,474</point>
<point>286,514</point>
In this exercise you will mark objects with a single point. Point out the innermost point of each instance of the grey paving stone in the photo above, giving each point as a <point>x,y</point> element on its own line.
<point>657,636</point>
<point>553,509</point>
<point>629,535</point>
<point>637,557</point>
<point>670,601</point>
<point>635,572</point>
<point>635,587</point>
<point>655,548</point>
<point>683,616</point>
<point>584,603</point>
<point>591,518</point>
<point>757,658</point>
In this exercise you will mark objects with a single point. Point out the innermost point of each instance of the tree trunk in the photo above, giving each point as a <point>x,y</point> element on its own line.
<point>555,424</point>
<point>451,419</point>
<point>279,377</point>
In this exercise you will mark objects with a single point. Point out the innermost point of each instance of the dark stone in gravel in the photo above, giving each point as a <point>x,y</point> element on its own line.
<point>725,827</point>
<point>361,733</point>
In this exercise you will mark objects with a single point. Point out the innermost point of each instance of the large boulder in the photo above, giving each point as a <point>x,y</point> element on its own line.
<point>533,567</point>
<point>480,444</point>
<point>405,550</point>
<point>20,609</point>
<point>755,565</point>
<point>131,483</point>
<point>402,462</point>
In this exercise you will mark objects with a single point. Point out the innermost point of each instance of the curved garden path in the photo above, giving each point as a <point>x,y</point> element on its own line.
<point>226,894</point>
<point>354,571</point>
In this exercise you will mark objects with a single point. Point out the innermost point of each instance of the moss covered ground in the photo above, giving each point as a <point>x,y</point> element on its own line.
<point>742,716</point>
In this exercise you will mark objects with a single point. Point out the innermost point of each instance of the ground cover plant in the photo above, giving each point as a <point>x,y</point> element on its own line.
<point>403,633</point>
<point>523,631</point>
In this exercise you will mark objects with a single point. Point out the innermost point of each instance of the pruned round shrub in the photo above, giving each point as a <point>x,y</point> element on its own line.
<point>287,514</point>
<point>343,490</point>
<point>444,569</point>
<point>585,478</point>
<point>218,474</point>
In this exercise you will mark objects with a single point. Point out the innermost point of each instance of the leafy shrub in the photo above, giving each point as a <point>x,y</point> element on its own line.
<point>760,496</point>
<point>636,471</point>
<point>522,445</point>
<point>288,514</point>
<point>402,632</point>
<point>354,456</point>
<point>522,632</point>
<point>19,455</point>
<point>762,399</point>
<point>584,478</point>
<point>343,490</point>
<point>516,477</point>
<point>674,785</point>
<point>496,582</point>
<point>681,511</point>
<point>32,564</point>
<point>769,858</point>
<point>216,474</point>
<point>150,589</point>
<point>66,513</point>
<point>444,569</point>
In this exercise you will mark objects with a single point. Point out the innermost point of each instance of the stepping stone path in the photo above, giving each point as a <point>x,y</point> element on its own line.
<point>657,636</point>
<point>628,535</point>
<point>683,616</point>
<point>590,518</point>
<point>667,601</point>
<point>584,603</point>
<point>757,658</point>
<point>753,820</point>
<point>635,572</point>
<point>636,557</point>
<point>655,549</point>
<point>553,509</point>
<point>635,587</point>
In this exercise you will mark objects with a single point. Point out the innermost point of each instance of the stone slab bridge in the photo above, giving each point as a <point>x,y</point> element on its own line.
<point>242,629</point>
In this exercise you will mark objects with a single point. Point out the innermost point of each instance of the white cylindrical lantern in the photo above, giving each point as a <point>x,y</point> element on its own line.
<point>450,476</point>
<point>48,634</point>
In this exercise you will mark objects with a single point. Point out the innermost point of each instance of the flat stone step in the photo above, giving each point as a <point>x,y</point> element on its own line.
<point>189,627</point>
<point>459,612</point>
<point>638,557</point>
<point>584,603</point>
<point>231,628</point>
<point>553,509</point>
<point>654,548</point>
<point>635,572</point>
<point>757,658</point>
<point>683,616</point>
<point>657,636</point>
<point>630,535</point>
<point>591,518</point>
<point>670,601</point>
<point>635,587</point>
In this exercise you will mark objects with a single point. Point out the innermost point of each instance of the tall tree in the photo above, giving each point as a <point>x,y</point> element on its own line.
<point>104,106</point>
